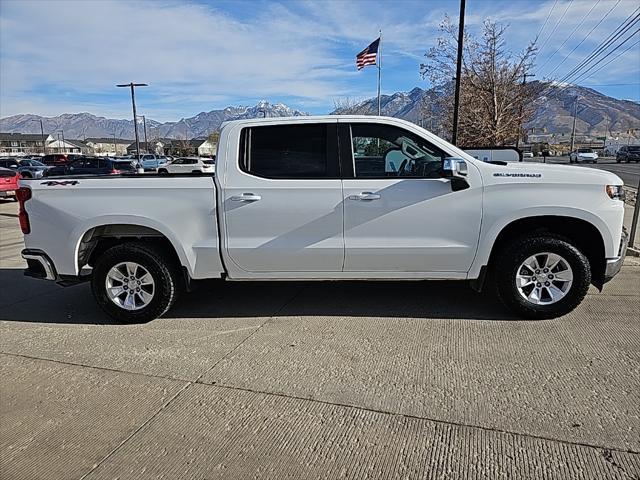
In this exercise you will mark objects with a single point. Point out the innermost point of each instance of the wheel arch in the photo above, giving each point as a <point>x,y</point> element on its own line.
<point>584,235</point>
<point>94,238</point>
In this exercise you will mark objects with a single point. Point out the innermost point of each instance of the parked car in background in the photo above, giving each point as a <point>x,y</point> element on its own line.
<point>9,162</point>
<point>189,165</point>
<point>53,159</point>
<point>583,155</point>
<point>527,154</point>
<point>8,183</point>
<point>628,153</point>
<point>31,168</point>
<point>124,165</point>
<point>88,166</point>
<point>151,163</point>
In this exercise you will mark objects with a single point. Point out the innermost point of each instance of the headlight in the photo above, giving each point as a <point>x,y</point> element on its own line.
<point>615,192</point>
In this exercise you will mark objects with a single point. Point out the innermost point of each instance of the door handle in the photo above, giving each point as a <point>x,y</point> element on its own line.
<point>365,196</point>
<point>246,197</point>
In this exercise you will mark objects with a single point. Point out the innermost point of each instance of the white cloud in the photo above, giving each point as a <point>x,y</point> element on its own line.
<point>67,55</point>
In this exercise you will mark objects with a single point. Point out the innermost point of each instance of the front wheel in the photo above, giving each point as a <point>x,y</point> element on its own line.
<point>542,277</point>
<point>134,282</point>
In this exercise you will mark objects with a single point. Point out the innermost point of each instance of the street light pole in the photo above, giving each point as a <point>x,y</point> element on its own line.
<point>146,144</point>
<point>64,144</point>
<point>135,117</point>
<point>115,149</point>
<point>44,146</point>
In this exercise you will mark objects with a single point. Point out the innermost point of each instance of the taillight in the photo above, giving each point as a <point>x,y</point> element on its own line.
<point>114,171</point>
<point>23,194</point>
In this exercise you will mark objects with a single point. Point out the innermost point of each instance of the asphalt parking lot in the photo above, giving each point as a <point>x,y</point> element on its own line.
<point>316,380</point>
<point>628,172</point>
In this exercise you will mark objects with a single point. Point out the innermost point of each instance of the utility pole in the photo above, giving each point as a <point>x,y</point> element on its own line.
<point>456,101</point>
<point>115,149</point>
<point>135,118</point>
<point>146,144</point>
<point>524,82</point>
<point>64,144</point>
<point>44,148</point>
<point>573,129</point>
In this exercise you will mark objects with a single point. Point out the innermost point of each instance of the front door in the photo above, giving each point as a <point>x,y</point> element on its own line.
<point>400,214</point>
<point>283,201</point>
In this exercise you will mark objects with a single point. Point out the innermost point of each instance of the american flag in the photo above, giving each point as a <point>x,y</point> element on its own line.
<point>368,56</point>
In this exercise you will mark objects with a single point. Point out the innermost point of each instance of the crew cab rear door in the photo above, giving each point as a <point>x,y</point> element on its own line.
<point>282,200</point>
<point>401,215</point>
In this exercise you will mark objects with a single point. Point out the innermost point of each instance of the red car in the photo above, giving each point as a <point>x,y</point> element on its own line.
<point>8,183</point>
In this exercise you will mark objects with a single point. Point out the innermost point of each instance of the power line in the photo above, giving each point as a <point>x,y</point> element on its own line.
<point>570,35</point>
<point>614,58</point>
<point>585,37</point>
<point>547,19</point>
<point>615,35</point>
<point>627,24</point>
<point>556,25</point>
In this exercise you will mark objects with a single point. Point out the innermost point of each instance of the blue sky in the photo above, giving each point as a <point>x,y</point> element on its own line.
<point>66,56</point>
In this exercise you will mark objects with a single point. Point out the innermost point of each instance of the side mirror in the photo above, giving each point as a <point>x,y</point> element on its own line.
<point>454,168</point>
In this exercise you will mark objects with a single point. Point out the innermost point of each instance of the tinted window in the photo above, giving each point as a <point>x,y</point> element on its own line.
<point>289,151</point>
<point>387,151</point>
<point>634,149</point>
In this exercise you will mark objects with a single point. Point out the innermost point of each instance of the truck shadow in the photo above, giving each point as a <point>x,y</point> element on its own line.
<point>28,300</point>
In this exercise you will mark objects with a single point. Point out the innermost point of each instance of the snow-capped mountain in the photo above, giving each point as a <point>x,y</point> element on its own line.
<point>553,109</point>
<point>86,125</point>
<point>553,114</point>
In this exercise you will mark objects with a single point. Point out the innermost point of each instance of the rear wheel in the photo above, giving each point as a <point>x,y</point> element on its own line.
<point>542,277</point>
<point>134,282</point>
<point>162,171</point>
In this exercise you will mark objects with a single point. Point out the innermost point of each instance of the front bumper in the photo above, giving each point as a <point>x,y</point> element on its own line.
<point>614,265</point>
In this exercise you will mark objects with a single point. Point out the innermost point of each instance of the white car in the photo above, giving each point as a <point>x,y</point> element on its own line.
<point>527,155</point>
<point>585,155</point>
<point>291,200</point>
<point>188,165</point>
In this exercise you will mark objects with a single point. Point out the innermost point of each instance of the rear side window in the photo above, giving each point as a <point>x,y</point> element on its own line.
<point>290,151</point>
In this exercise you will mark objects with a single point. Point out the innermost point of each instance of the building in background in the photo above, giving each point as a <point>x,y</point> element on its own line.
<point>69,146</point>
<point>13,144</point>
<point>108,146</point>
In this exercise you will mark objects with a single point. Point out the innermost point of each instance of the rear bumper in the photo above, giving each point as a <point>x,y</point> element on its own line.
<point>614,265</point>
<point>39,265</point>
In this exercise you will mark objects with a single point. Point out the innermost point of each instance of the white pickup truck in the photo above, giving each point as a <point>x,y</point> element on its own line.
<point>330,198</point>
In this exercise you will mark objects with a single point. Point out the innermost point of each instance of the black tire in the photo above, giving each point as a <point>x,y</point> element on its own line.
<point>511,257</point>
<point>26,175</point>
<point>159,266</point>
<point>163,171</point>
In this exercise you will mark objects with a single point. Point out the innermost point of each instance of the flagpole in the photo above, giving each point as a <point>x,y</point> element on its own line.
<point>379,68</point>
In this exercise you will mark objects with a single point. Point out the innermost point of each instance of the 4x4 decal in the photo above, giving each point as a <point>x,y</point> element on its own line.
<point>63,183</point>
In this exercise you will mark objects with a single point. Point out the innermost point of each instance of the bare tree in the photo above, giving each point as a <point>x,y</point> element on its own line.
<point>494,100</point>
<point>351,106</point>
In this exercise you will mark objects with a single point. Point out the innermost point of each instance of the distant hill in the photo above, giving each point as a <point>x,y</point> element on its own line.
<point>81,125</point>
<point>553,114</point>
<point>553,109</point>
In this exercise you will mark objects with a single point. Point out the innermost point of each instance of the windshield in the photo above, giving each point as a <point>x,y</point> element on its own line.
<point>585,150</point>
<point>634,148</point>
